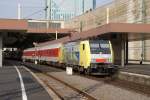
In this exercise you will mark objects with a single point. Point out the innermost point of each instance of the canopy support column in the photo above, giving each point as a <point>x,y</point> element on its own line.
<point>123,51</point>
<point>1,47</point>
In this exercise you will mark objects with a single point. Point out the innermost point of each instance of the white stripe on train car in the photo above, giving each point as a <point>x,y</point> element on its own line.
<point>50,46</point>
<point>55,59</point>
<point>28,57</point>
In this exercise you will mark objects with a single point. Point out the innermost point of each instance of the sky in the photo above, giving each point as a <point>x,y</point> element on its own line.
<point>29,8</point>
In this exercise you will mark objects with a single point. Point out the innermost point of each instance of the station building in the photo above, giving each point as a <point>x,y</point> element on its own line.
<point>119,11</point>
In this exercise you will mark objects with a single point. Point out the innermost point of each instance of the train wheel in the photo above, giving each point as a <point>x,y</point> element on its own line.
<point>87,71</point>
<point>81,70</point>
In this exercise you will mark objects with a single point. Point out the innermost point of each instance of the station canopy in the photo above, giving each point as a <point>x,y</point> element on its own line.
<point>18,33</point>
<point>133,31</point>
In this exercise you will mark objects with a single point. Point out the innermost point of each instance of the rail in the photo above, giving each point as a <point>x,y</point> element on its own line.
<point>84,94</point>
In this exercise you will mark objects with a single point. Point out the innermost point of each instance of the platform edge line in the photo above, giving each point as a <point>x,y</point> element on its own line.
<point>50,92</point>
<point>24,95</point>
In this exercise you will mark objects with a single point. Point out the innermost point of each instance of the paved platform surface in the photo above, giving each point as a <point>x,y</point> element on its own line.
<point>139,74</point>
<point>138,69</point>
<point>10,84</point>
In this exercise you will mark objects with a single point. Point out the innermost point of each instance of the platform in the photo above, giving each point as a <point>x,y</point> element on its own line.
<point>137,69</point>
<point>11,88</point>
<point>135,73</point>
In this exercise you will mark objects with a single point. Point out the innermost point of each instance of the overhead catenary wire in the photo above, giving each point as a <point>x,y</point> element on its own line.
<point>34,13</point>
<point>50,5</point>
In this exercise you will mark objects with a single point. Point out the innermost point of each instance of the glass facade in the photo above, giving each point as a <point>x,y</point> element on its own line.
<point>67,9</point>
<point>82,6</point>
<point>56,12</point>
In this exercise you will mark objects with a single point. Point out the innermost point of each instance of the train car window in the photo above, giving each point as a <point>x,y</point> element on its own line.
<point>83,46</point>
<point>104,46</point>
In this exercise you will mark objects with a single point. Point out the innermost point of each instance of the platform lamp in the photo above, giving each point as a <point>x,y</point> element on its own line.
<point>56,33</point>
<point>35,47</point>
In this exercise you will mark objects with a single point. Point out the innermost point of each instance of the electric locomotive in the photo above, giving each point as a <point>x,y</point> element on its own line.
<point>89,56</point>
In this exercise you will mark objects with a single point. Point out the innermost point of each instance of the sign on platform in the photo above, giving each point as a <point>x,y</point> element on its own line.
<point>35,62</point>
<point>69,70</point>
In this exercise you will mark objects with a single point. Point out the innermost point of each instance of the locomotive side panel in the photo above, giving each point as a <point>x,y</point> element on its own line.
<point>71,53</point>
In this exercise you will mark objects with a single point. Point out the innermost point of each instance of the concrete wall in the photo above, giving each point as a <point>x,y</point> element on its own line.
<point>147,50</point>
<point>120,11</point>
<point>127,11</point>
<point>135,50</point>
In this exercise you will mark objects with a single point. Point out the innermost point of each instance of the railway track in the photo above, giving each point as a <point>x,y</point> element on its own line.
<point>62,89</point>
<point>120,83</point>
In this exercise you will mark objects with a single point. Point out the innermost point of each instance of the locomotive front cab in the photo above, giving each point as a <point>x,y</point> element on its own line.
<point>101,57</point>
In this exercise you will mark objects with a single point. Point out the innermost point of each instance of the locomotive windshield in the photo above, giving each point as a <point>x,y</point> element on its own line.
<point>100,47</point>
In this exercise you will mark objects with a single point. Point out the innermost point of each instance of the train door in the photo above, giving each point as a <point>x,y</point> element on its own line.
<point>60,57</point>
<point>85,56</point>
